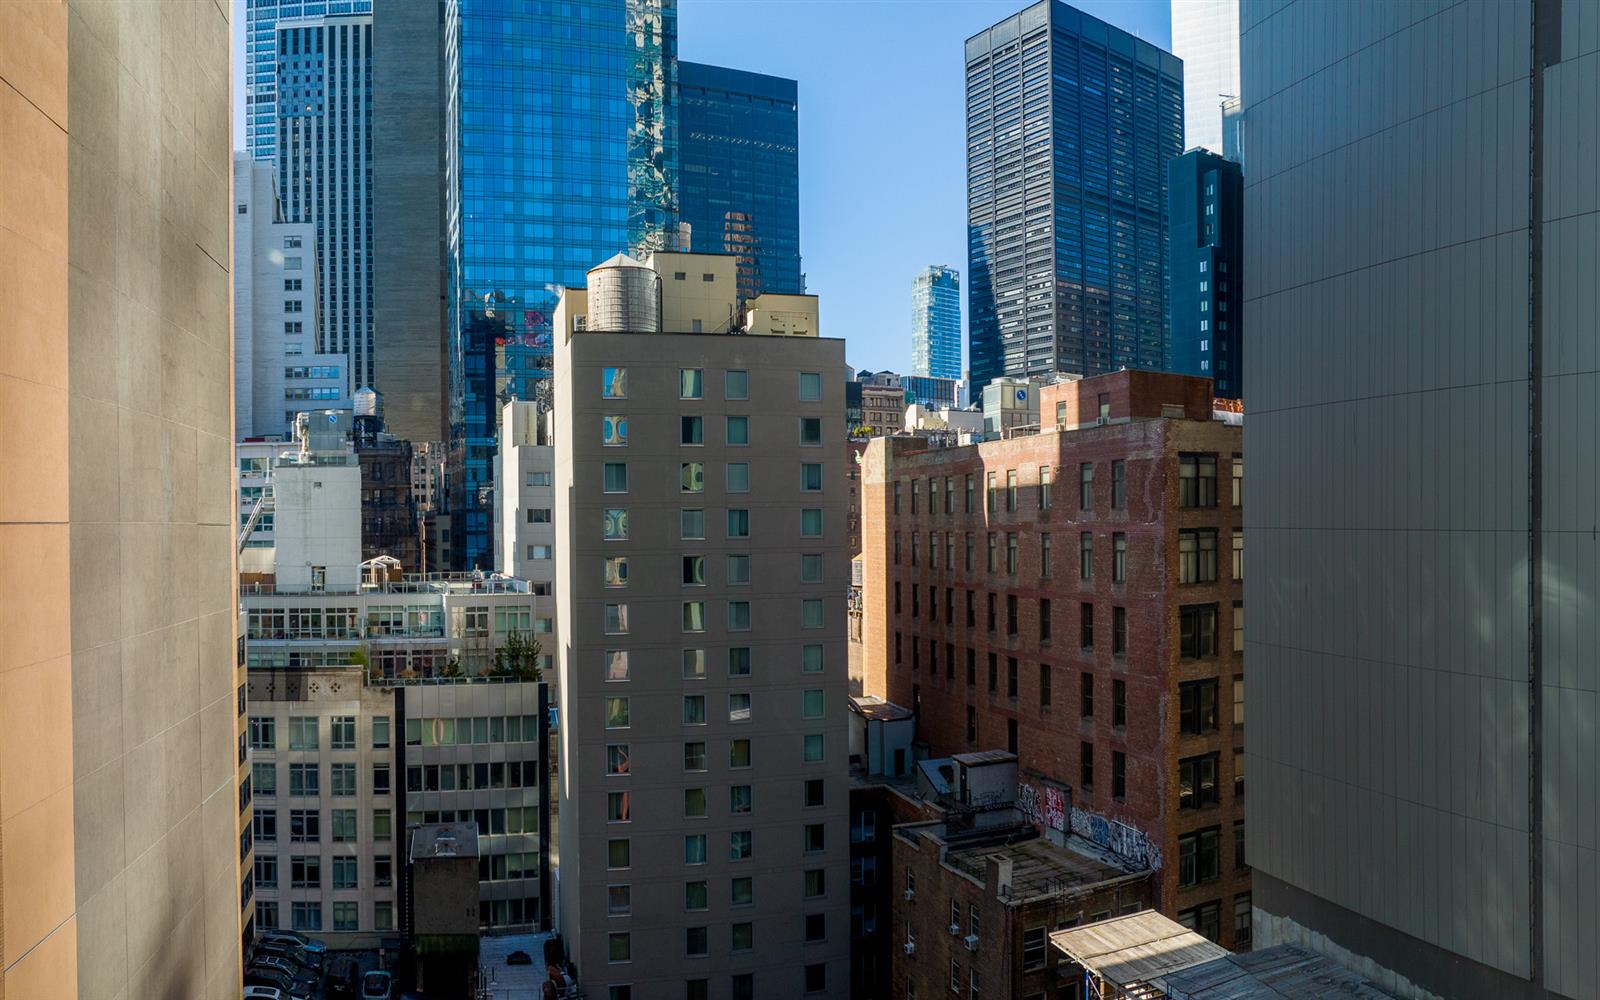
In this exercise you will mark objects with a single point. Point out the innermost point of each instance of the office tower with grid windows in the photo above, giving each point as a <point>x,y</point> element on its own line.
<point>552,162</point>
<point>1070,124</point>
<point>701,579</point>
<point>936,323</point>
<point>261,63</point>
<point>1422,738</point>
<point>324,162</point>
<point>1206,198</point>
<point>740,144</point>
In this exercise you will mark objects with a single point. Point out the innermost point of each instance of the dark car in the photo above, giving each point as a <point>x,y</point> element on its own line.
<point>289,951</point>
<point>285,985</point>
<point>344,978</point>
<point>304,980</point>
<point>519,958</point>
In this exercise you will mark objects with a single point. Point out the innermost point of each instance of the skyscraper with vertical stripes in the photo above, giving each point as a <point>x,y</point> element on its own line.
<point>936,322</point>
<point>261,63</point>
<point>1070,124</point>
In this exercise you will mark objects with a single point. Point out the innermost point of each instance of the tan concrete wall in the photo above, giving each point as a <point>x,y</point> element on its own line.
<point>118,803</point>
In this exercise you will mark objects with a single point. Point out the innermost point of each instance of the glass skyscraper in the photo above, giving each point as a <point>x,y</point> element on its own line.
<point>261,63</point>
<point>1205,35</point>
<point>560,151</point>
<point>936,322</point>
<point>324,161</point>
<point>1206,246</point>
<point>1070,124</point>
<point>740,190</point>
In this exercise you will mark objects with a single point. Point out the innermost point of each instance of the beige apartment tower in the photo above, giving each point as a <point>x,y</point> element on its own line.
<point>701,581</point>
<point>122,853</point>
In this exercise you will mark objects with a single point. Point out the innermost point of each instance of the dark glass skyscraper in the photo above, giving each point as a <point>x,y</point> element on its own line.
<point>1070,124</point>
<point>261,62</point>
<point>740,189</point>
<point>560,151</point>
<point>1206,195</point>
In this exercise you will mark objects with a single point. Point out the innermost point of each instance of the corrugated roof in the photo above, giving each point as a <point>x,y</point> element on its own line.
<point>1270,974</point>
<point>979,757</point>
<point>1135,948</point>
<point>876,709</point>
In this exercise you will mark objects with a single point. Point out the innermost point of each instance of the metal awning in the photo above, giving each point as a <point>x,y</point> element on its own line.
<point>1129,951</point>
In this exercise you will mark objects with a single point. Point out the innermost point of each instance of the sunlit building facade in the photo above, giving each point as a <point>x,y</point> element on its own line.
<point>936,322</point>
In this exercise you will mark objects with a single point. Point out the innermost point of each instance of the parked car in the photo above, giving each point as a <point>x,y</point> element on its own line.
<point>290,951</point>
<point>308,944</point>
<point>263,993</point>
<point>344,979</point>
<point>286,987</point>
<point>304,980</point>
<point>377,986</point>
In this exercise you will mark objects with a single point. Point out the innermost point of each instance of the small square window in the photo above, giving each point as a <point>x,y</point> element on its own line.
<point>810,387</point>
<point>691,383</point>
<point>810,568</point>
<point>738,477</point>
<point>738,431</point>
<point>736,385</point>
<point>811,431</point>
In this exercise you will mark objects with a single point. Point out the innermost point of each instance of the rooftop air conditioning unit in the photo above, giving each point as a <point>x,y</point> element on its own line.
<point>972,942</point>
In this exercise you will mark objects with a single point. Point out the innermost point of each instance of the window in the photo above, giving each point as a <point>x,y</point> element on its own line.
<point>1086,626</point>
<point>813,748</point>
<point>810,387</point>
<point>1241,921</point>
<point>1119,703</point>
<point>1197,630</point>
<point>693,571</point>
<point>691,383</point>
<point>382,824</point>
<point>1199,857</point>
<point>741,845</point>
<point>811,522</point>
<point>816,884</point>
<point>619,948</point>
<point>615,524</point>
<point>1011,553</point>
<point>1011,614</point>
<point>266,871</point>
<point>303,733</point>
<point>692,477</point>
<point>740,799</point>
<point>306,916</point>
<point>383,870</point>
<point>811,481</point>
<point>305,826</point>
<point>817,978</point>
<point>1086,766</point>
<point>810,568</point>
<point>264,778</point>
<point>1197,555</point>
<point>691,524</point>
<point>380,732</point>
<point>1197,480</point>
<point>616,574</point>
<point>1045,624</point>
<point>738,616</point>
<point>694,849</point>
<point>617,807</point>
<point>1086,695</point>
<point>1239,863</point>
<point>1086,556</point>
<point>1011,677</point>
<point>1197,707</point>
<point>1086,486</point>
<point>812,794</point>
<point>738,523</point>
<point>1119,631</point>
<point>810,659</point>
<point>614,431</point>
<point>1044,554</point>
<point>738,476</point>
<point>263,733</point>
<point>614,383</point>
<point>1238,626</point>
<point>994,673</point>
<point>694,710</point>
<point>617,758</point>
<point>994,562</point>
<point>816,927</point>
<point>305,872</point>
<point>1119,558</point>
<point>736,385</point>
<point>1044,487</point>
<point>303,779</point>
<point>342,732</point>
<point>1197,781</point>
<point>615,481</point>
<point>619,853</point>
<point>619,900</point>
<point>1238,480</point>
<point>813,838</point>
<point>691,430</point>
<point>1238,700</point>
<point>1119,775</point>
<point>1238,553</point>
<point>616,619</point>
<point>695,896</point>
<point>694,756</point>
<point>345,873</point>
<point>811,431</point>
<point>1011,489</point>
<point>617,714</point>
<point>342,778</point>
<point>739,753</point>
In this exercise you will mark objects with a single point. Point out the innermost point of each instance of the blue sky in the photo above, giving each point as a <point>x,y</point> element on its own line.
<point>882,160</point>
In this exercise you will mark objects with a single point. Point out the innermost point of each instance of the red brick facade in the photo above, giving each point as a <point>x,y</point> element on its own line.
<point>1138,426</point>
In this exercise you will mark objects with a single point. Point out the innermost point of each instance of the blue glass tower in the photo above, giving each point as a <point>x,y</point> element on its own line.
<point>560,151</point>
<point>1207,217</point>
<point>261,63</point>
<point>740,190</point>
<point>936,322</point>
<point>1070,124</point>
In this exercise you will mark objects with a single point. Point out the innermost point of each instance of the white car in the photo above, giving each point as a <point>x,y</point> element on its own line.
<point>263,993</point>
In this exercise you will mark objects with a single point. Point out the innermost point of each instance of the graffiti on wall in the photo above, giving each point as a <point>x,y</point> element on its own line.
<point>1126,842</point>
<point>1045,805</point>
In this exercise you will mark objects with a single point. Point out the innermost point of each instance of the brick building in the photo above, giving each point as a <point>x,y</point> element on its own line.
<point>1075,597</point>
